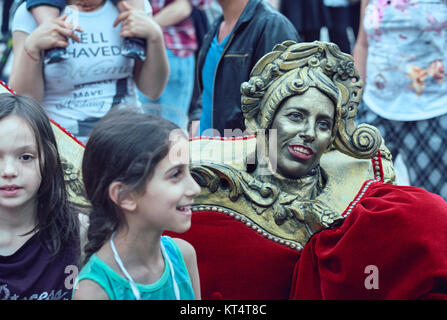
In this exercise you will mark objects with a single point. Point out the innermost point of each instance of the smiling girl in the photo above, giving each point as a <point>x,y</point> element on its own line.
<point>136,175</point>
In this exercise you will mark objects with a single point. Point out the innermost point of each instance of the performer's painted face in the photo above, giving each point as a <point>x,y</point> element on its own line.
<point>304,127</point>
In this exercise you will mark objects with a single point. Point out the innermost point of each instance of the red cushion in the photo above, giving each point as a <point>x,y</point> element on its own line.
<point>236,262</point>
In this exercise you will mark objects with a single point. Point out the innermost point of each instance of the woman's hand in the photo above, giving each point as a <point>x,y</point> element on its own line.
<point>52,34</point>
<point>136,23</point>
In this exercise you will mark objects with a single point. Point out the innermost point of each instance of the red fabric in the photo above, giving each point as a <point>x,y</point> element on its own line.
<point>236,262</point>
<point>401,230</point>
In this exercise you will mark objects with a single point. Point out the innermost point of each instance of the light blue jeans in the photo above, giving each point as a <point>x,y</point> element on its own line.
<point>176,97</point>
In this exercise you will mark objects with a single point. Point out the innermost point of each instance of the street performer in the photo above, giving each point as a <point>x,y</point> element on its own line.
<point>315,215</point>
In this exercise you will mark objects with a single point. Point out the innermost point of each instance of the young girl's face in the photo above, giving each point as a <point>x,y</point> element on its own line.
<point>20,176</point>
<point>169,194</point>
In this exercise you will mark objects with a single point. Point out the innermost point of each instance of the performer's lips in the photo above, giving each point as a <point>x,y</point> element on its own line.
<point>301,152</point>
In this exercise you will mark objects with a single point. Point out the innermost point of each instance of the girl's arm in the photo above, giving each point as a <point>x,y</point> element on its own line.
<point>189,255</point>
<point>27,70</point>
<point>26,74</point>
<point>151,75</point>
<point>44,13</point>
<point>360,52</point>
<point>138,4</point>
<point>59,4</point>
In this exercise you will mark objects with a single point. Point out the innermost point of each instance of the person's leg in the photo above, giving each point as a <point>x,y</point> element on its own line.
<point>387,129</point>
<point>310,35</point>
<point>424,145</point>
<point>139,4</point>
<point>175,99</point>
<point>132,47</point>
<point>42,11</point>
<point>59,4</point>
<point>354,17</point>
<point>338,30</point>
<point>5,16</point>
<point>391,132</point>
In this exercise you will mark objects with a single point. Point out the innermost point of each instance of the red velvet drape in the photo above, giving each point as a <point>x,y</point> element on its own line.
<point>400,231</point>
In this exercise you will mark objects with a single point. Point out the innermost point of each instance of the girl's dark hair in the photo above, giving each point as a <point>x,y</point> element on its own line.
<point>57,224</point>
<point>124,146</point>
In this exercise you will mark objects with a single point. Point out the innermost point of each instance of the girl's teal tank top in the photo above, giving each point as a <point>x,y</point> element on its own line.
<point>118,288</point>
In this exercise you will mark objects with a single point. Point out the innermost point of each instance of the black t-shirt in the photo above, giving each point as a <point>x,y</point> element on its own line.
<point>31,273</point>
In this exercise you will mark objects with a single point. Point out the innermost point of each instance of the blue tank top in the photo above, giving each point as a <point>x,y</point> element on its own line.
<point>119,288</point>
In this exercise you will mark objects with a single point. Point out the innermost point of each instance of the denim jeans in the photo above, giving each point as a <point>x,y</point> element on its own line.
<point>54,3</point>
<point>174,102</point>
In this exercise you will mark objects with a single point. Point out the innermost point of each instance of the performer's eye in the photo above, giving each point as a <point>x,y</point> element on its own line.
<point>324,125</point>
<point>295,116</point>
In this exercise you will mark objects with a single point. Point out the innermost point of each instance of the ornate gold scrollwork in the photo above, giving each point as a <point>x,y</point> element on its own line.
<point>264,206</point>
<point>75,186</point>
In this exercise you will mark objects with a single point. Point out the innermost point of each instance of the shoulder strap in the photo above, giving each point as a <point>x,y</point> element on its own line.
<point>118,260</point>
<point>168,261</point>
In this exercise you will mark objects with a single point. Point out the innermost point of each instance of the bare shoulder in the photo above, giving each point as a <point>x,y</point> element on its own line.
<point>186,249</point>
<point>89,290</point>
<point>189,255</point>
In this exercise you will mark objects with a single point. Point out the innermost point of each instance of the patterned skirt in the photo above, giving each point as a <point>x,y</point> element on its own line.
<point>421,144</point>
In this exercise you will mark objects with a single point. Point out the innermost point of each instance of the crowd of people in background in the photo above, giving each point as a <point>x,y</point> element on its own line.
<point>185,62</point>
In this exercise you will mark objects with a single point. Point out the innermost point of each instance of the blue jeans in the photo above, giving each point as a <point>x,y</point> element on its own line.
<point>54,3</point>
<point>174,102</point>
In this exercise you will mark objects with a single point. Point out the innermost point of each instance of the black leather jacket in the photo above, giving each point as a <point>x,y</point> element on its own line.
<point>259,28</point>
